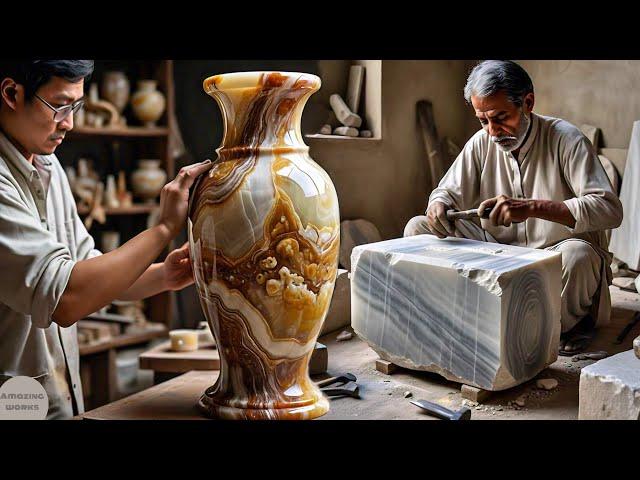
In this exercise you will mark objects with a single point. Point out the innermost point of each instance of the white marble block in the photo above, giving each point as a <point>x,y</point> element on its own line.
<point>478,313</point>
<point>625,240</point>
<point>610,389</point>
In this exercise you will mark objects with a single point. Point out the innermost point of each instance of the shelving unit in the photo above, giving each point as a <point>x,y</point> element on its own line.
<point>120,148</point>
<point>119,131</point>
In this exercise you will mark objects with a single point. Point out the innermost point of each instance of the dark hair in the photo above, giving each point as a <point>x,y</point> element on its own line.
<point>492,76</point>
<point>32,74</point>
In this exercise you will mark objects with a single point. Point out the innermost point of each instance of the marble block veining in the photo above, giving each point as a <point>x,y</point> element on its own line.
<point>478,313</point>
<point>625,240</point>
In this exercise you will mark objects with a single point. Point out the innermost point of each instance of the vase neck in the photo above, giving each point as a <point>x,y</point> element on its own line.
<point>261,110</point>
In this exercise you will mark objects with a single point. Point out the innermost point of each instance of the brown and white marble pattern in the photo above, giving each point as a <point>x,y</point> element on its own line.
<point>264,234</point>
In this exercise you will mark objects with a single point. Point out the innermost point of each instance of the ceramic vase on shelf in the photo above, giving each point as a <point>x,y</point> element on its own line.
<point>263,231</point>
<point>116,89</point>
<point>148,103</point>
<point>147,181</point>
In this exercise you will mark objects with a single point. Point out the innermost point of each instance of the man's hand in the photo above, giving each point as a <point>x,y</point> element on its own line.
<point>177,269</point>
<point>437,220</point>
<point>174,198</point>
<point>506,210</point>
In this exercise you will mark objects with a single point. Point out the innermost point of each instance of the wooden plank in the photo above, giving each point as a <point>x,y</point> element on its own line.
<point>136,209</point>
<point>432,144</point>
<point>161,359</point>
<point>474,394</point>
<point>132,131</point>
<point>175,399</point>
<point>385,367</point>
<point>151,332</point>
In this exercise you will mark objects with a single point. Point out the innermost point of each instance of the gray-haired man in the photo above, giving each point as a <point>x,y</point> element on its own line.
<point>547,189</point>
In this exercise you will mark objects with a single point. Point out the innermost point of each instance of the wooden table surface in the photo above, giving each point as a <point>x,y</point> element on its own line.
<point>171,400</point>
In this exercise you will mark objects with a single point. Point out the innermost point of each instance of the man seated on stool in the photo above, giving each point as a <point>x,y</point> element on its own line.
<point>52,276</point>
<point>546,187</point>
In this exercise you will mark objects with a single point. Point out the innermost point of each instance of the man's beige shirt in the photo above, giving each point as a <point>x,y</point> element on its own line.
<point>41,239</point>
<point>557,162</point>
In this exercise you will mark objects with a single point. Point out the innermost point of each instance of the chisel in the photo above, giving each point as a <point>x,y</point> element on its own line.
<point>453,215</point>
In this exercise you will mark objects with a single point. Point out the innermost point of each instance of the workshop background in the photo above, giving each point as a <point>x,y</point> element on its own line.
<point>384,178</point>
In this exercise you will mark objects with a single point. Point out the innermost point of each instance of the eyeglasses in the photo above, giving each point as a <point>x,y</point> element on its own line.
<point>60,113</point>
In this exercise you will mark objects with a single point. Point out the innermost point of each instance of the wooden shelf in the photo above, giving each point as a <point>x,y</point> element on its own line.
<point>136,209</point>
<point>339,138</point>
<point>120,131</point>
<point>141,335</point>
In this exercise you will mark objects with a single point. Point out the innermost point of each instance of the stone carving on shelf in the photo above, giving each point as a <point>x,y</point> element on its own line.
<point>116,89</point>
<point>264,233</point>
<point>147,181</point>
<point>125,198</point>
<point>100,113</point>
<point>148,103</point>
<point>111,193</point>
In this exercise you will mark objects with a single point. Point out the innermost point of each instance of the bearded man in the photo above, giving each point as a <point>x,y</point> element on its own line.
<point>545,187</point>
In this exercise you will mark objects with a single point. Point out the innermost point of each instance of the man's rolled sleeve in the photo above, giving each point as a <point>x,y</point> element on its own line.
<point>35,266</point>
<point>595,206</point>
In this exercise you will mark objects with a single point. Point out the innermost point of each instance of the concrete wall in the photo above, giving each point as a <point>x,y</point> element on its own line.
<point>384,181</point>
<point>603,93</point>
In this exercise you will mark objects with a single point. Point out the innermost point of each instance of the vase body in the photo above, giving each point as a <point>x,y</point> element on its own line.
<point>147,181</point>
<point>116,89</point>
<point>148,103</point>
<point>264,232</point>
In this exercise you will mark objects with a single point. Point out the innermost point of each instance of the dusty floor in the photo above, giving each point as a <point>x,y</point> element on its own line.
<point>383,395</point>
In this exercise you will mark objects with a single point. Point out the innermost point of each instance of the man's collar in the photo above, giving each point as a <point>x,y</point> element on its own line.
<point>531,137</point>
<point>11,154</point>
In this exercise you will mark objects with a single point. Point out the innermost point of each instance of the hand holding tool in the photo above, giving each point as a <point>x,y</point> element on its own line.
<point>453,215</point>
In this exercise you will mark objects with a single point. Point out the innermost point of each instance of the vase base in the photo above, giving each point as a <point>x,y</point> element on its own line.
<point>207,406</point>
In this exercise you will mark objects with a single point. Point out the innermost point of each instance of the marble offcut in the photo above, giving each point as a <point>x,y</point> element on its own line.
<point>478,313</point>
<point>625,240</point>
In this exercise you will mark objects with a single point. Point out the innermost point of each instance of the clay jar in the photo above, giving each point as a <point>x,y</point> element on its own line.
<point>116,89</point>
<point>148,103</point>
<point>264,232</point>
<point>147,181</point>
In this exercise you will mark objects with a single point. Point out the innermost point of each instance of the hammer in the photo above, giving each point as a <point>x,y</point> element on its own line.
<point>350,389</point>
<point>344,378</point>
<point>442,412</point>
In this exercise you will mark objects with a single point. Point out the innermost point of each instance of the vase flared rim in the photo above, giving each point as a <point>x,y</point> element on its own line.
<point>243,80</point>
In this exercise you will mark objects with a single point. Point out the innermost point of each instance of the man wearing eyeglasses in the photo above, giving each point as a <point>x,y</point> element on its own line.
<point>51,274</point>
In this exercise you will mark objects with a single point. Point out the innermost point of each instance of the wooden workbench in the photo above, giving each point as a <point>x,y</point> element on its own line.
<point>167,364</point>
<point>171,400</point>
<point>175,399</point>
<point>98,363</point>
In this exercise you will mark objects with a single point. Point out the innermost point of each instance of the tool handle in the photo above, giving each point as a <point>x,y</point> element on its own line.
<point>453,215</point>
<point>436,410</point>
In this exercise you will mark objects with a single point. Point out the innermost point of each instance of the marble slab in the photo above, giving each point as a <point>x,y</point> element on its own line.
<point>478,313</point>
<point>610,389</point>
<point>625,240</point>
